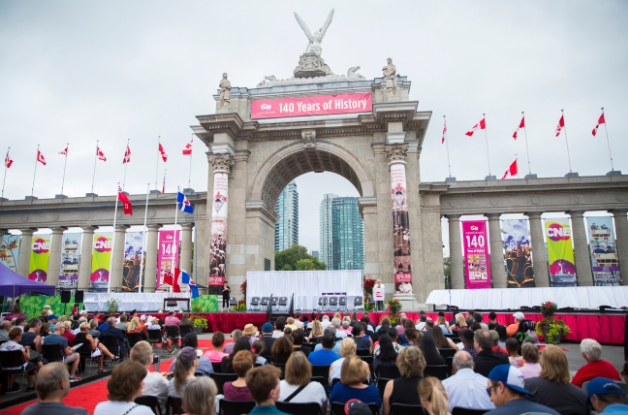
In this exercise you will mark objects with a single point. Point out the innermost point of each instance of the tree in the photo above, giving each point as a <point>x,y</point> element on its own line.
<point>288,260</point>
<point>447,266</point>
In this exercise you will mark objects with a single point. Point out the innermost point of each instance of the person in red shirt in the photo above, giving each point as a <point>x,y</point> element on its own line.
<point>595,367</point>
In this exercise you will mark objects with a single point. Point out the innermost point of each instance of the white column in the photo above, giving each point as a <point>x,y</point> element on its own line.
<point>584,273</point>
<point>117,263</point>
<point>54,258</point>
<point>621,226</point>
<point>150,264</point>
<point>186,247</point>
<point>24,259</point>
<point>498,273</point>
<point>539,256</point>
<point>455,253</point>
<point>85,266</point>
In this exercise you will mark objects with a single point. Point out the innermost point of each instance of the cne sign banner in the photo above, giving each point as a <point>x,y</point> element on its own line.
<point>562,264</point>
<point>476,257</point>
<point>315,105</point>
<point>40,253</point>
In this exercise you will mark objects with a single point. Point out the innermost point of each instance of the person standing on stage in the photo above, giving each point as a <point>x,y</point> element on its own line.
<point>226,292</point>
<point>379,292</point>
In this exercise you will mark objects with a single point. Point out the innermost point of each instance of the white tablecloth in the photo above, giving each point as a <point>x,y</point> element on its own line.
<point>133,301</point>
<point>514,298</point>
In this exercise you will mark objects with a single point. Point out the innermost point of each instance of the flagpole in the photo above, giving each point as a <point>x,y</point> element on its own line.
<point>157,171</point>
<point>113,242</point>
<point>566,141</point>
<point>190,175</point>
<point>174,245</point>
<point>64,166</point>
<point>608,141</point>
<point>164,185</point>
<point>144,238</point>
<point>447,144</point>
<point>488,159</point>
<point>5,174</point>
<point>525,134</point>
<point>94,175</point>
<point>127,148</point>
<point>34,174</point>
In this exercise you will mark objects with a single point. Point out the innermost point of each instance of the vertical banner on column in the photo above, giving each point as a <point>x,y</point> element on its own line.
<point>603,251</point>
<point>476,254</point>
<point>9,251</point>
<point>560,253</point>
<point>70,259</point>
<point>518,254</point>
<point>101,260</point>
<point>133,256</point>
<point>40,253</point>
<point>168,254</point>
<point>218,249</point>
<point>401,230</point>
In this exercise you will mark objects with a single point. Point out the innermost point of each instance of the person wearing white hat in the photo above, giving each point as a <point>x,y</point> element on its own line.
<point>512,329</point>
<point>47,311</point>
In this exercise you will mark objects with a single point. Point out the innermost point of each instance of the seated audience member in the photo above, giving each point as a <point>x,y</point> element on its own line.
<point>420,324</point>
<point>184,370</point>
<point>5,326</point>
<point>337,324</point>
<point>496,347</point>
<point>52,320</point>
<point>290,323</point>
<point>215,354</point>
<point>185,320</point>
<point>113,331</point>
<point>508,393</point>
<point>70,355</point>
<point>31,337</point>
<point>440,340</point>
<point>15,336</point>
<point>596,367</point>
<point>235,336</point>
<point>461,324</point>
<point>317,332</point>
<point>280,325</point>
<point>330,330</point>
<point>324,356</point>
<point>124,386</point>
<point>298,336</point>
<point>93,328</point>
<point>20,323</point>
<point>444,326</point>
<point>267,338</point>
<point>365,316</point>
<point>237,390</point>
<point>433,396</point>
<point>392,334</point>
<point>104,323</point>
<point>368,329</point>
<point>512,347</point>
<point>405,388</point>
<point>226,365</point>
<point>475,326</point>
<point>171,320</point>
<point>251,332</point>
<point>282,349</point>
<point>351,385</point>
<point>503,336</point>
<point>44,331</point>
<point>414,337</point>
<point>477,318</point>
<point>552,388</point>
<point>429,324</point>
<point>325,321</point>
<point>361,339</point>
<point>143,326</point>
<point>383,323</point>
<point>298,374</point>
<point>486,359</point>
<point>134,327</point>
<point>258,348</point>
<point>155,384</point>
<point>300,320</point>
<point>430,352</point>
<point>122,325</point>
<point>68,333</point>
<point>492,323</point>
<point>204,364</point>
<point>385,353</point>
<point>531,367</point>
<point>200,397</point>
<point>346,327</point>
<point>469,317</point>
<point>513,328</point>
<point>466,341</point>
<point>347,348</point>
<point>465,387</point>
<point>264,387</point>
<point>84,337</point>
<point>606,397</point>
<point>52,385</point>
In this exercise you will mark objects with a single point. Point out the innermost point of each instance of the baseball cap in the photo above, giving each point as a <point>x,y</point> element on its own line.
<point>357,407</point>
<point>509,376</point>
<point>187,354</point>
<point>46,306</point>
<point>267,328</point>
<point>603,386</point>
<point>52,316</point>
<point>143,317</point>
<point>518,315</point>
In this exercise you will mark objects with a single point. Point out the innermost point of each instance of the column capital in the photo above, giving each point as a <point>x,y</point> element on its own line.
<point>27,231</point>
<point>493,215</point>
<point>221,163</point>
<point>187,226</point>
<point>121,228</point>
<point>89,229</point>
<point>453,216</point>
<point>396,153</point>
<point>154,227</point>
<point>577,213</point>
<point>619,211</point>
<point>58,230</point>
<point>534,215</point>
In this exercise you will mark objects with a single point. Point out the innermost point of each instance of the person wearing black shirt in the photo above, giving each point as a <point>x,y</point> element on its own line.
<point>226,292</point>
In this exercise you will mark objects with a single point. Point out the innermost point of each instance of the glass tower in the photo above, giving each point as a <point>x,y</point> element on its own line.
<point>347,234</point>
<point>326,242</point>
<point>287,228</point>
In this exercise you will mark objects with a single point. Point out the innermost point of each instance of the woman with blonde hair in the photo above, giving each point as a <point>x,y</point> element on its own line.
<point>461,323</point>
<point>348,347</point>
<point>67,333</point>
<point>404,389</point>
<point>442,323</point>
<point>317,331</point>
<point>298,375</point>
<point>84,337</point>
<point>433,396</point>
<point>352,386</point>
<point>199,397</point>
<point>134,325</point>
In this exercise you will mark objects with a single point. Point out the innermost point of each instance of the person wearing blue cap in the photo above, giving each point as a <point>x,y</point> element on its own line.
<point>268,339</point>
<point>52,320</point>
<point>507,392</point>
<point>606,397</point>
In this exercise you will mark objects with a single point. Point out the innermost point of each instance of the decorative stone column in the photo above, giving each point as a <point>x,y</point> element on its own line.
<point>24,259</point>
<point>455,252</point>
<point>539,256</point>
<point>85,266</point>
<point>54,259</point>
<point>117,261</point>
<point>581,248</point>
<point>368,210</point>
<point>150,262</point>
<point>186,247</point>
<point>496,256</point>
<point>621,226</point>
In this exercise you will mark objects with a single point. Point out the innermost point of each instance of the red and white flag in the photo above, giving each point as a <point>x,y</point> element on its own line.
<point>187,151</point>
<point>512,170</point>
<point>100,154</point>
<point>127,155</point>
<point>64,152</point>
<point>163,153</point>
<point>163,188</point>
<point>444,131</point>
<point>479,126</point>
<point>600,121</point>
<point>40,158</point>
<point>521,125</point>
<point>126,204</point>
<point>560,126</point>
<point>8,161</point>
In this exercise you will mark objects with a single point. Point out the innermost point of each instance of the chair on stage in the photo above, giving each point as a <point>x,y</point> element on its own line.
<point>255,303</point>
<point>233,303</point>
<point>342,302</point>
<point>273,303</point>
<point>322,303</point>
<point>283,302</point>
<point>358,303</point>
<point>333,302</point>
<point>264,302</point>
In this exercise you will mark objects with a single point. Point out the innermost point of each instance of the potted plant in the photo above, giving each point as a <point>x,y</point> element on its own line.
<point>200,323</point>
<point>551,328</point>
<point>368,288</point>
<point>394,307</point>
<point>112,305</point>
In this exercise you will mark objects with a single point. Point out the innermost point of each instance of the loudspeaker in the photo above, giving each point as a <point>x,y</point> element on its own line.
<point>78,297</point>
<point>65,296</point>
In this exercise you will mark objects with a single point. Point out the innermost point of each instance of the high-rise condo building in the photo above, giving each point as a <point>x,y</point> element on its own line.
<point>287,228</point>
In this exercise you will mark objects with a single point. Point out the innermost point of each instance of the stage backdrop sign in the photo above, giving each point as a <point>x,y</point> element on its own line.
<point>9,251</point>
<point>40,253</point>
<point>603,251</point>
<point>133,255</point>
<point>101,260</point>
<point>518,253</point>
<point>218,233</point>
<point>315,105</point>
<point>560,253</point>
<point>476,254</point>
<point>70,259</point>
<point>168,254</point>
<point>401,230</point>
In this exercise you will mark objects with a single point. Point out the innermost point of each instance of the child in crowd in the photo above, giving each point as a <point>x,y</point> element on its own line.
<point>512,347</point>
<point>257,348</point>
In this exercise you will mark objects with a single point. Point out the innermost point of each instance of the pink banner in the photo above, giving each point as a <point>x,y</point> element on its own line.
<point>476,254</point>
<point>168,253</point>
<point>316,105</point>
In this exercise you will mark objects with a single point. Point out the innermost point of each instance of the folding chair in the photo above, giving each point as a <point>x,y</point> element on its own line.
<point>172,332</point>
<point>281,366</point>
<point>439,371</point>
<point>381,386</point>
<point>283,302</point>
<point>175,406</point>
<point>299,408</point>
<point>183,330</point>
<point>15,359</point>
<point>273,303</point>
<point>333,302</point>
<point>154,338</point>
<point>389,372</point>
<point>229,407</point>
<point>342,302</point>
<point>255,303</point>
<point>233,303</point>
<point>85,352</point>
<point>133,338</point>
<point>321,370</point>
<point>264,302</point>
<point>53,352</point>
<point>358,303</point>
<point>466,411</point>
<point>222,378</point>
<point>151,401</point>
<point>322,303</point>
<point>112,343</point>
<point>338,408</point>
<point>405,409</point>
<point>217,367</point>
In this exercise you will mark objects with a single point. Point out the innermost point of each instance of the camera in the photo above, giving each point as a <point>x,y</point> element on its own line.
<point>156,360</point>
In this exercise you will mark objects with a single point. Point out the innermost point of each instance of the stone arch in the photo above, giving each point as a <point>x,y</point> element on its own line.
<point>295,160</point>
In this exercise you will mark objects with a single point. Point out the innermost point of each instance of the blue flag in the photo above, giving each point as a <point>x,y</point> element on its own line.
<point>185,277</point>
<point>185,204</point>
<point>193,289</point>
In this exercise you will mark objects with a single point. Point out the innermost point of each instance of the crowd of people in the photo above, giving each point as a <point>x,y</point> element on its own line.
<point>327,360</point>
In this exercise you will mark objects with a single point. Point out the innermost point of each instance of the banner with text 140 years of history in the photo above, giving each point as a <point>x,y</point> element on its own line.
<point>518,253</point>
<point>168,254</point>
<point>133,256</point>
<point>476,254</point>
<point>9,251</point>
<point>101,260</point>
<point>560,253</point>
<point>70,260</point>
<point>603,251</point>
<point>40,252</point>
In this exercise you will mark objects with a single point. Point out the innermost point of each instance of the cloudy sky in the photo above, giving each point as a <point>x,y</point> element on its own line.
<point>76,72</point>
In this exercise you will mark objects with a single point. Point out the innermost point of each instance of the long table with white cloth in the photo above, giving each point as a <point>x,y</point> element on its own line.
<point>133,301</point>
<point>307,286</point>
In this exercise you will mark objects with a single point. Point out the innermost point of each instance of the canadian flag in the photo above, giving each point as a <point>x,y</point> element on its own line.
<point>560,126</point>
<point>64,152</point>
<point>521,125</point>
<point>40,158</point>
<point>444,131</point>
<point>479,126</point>
<point>163,153</point>
<point>600,121</point>
<point>187,151</point>
<point>512,170</point>
<point>100,154</point>
<point>126,204</point>
<point>8,161</point>
<point>127,155</point>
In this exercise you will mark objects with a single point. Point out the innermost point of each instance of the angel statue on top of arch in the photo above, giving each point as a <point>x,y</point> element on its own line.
<point>315,40</point>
